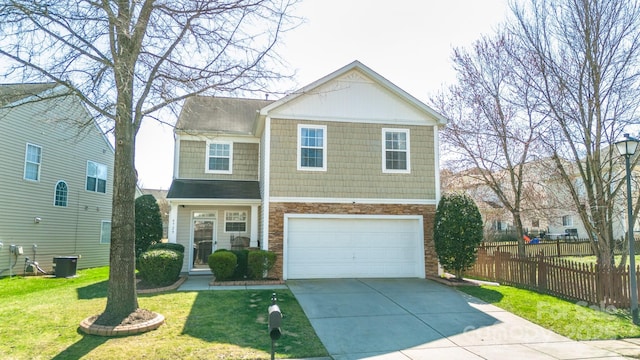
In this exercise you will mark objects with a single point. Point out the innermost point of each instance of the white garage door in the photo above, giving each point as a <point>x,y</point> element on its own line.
<point>353,247</point>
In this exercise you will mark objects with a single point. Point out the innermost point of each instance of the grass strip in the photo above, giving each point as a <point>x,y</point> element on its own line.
<point>575,320</point>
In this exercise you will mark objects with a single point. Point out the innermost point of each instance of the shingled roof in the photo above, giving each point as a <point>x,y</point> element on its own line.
<point>213,114</point>
<point>10,93</point>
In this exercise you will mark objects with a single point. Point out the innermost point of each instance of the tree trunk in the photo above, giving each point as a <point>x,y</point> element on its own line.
<point>121,296</point>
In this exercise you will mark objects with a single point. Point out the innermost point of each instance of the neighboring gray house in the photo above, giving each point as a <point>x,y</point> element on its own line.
<point>339,179</point>
<point>55,179</point>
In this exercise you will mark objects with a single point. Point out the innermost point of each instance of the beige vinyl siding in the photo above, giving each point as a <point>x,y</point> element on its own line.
<point>71,230</point>
<point>193,161</point>
<point>354,163</point>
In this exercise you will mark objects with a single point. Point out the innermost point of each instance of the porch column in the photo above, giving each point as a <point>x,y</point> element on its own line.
<point>254,226</point>
<point>173,222</point>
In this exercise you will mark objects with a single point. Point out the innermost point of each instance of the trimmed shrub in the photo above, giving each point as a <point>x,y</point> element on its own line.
<point>259,262</point>
<point>148,223</point>
<point>160,267</point>
<point>457,232</point>
<point>167,246</point>
<point>241,271</point>
<point>223,264</point>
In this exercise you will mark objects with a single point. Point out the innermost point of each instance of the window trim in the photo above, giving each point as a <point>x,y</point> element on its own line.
<point>66,194</point>
<point>97,178</point>
<point>324,148</point>
<point>407,151</point>
<point>208,156</point>
<point>246,221</point>
<point>26,161</point>
<point>102,223</point>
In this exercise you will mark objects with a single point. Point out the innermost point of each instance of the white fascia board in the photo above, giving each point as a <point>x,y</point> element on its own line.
<point>352,201</point>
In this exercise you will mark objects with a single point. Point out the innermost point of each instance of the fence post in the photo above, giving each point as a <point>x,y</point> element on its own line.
<point>542,274</point>
<point>558,247</point>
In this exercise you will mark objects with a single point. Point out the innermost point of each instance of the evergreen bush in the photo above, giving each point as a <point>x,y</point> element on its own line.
<point>148,223</point>
<point>457,232</point>
<point>260,262</point>
<point>167,246</point>
<point>160,267</point>
<point>223,264</point>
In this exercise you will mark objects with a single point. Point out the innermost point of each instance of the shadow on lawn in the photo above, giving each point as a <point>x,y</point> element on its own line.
<point>239,317</point>
<point>93,291</point>
<point>82,347</point>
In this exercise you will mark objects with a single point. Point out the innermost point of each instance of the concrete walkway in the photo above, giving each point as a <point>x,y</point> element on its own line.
<point>421,319</point>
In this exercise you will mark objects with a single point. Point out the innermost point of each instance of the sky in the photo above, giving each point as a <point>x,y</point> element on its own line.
<point>408,42</point>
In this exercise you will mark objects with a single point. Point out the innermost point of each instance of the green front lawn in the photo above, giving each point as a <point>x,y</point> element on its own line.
<point>39,319</point>
<point>574,320</point>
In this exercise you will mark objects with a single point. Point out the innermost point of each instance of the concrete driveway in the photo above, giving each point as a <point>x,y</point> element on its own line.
<point>421,319</point>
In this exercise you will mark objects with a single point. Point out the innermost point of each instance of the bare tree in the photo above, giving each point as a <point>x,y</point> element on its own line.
<point>585,70</point>
<point>493,126</point>
<point>128,60</point>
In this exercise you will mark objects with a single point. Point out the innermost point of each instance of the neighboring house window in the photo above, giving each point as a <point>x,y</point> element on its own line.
<point>60,198</point>
<point>312,147</point>
<point>32,160</point>
<point>219,157</point>
<point>96,177</point>
<point>395,151</point>
<point>235,221</point>
<point>105,232</point>
<point>497,225</point>
<point>567,220</point>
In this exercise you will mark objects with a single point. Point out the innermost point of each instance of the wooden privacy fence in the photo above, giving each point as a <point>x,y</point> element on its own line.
<point>552,248</point>
<point>559,277</point>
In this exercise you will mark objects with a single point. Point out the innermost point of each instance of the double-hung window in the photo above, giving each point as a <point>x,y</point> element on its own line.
<point>32,162</point>
<point>312,147</point>
<point>567,220</point>
<point>395,151</point>
<point>235,221</point>
<point>96,177</point>
<point>219,157</point>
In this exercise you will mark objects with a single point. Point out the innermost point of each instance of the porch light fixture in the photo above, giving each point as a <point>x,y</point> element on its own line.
<point>627,148</point>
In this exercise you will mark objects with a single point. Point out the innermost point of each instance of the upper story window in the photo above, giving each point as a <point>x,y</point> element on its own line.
<point>312,147</point>
<point>219,157</point>
<point>96,177</point>
<point>567,220</point>
<point>235,221</point>
<point>32,161</point>
<point>60,197</point>
<point>395,151</point>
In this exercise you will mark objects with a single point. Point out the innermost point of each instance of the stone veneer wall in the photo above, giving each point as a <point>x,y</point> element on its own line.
<point>276,224</point>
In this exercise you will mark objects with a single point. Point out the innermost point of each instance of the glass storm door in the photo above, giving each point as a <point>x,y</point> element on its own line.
<point>203,242</point>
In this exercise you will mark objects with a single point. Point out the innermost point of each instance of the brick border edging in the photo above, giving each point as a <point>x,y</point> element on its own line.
<point>173,286</point>
<point>246,282</point>
<point>88,327</point>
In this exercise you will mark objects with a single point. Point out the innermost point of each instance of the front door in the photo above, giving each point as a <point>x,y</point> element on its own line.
<point>203,242</point>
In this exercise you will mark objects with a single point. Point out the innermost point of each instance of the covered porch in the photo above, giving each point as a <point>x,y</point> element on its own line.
<point>207,215</point>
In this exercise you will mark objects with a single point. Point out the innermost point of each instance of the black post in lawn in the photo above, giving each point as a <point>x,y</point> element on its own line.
<point>275,319</point>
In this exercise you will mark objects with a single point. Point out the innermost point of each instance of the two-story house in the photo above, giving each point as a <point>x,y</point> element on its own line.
<point>340,179</point>
<point>55,179</point>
